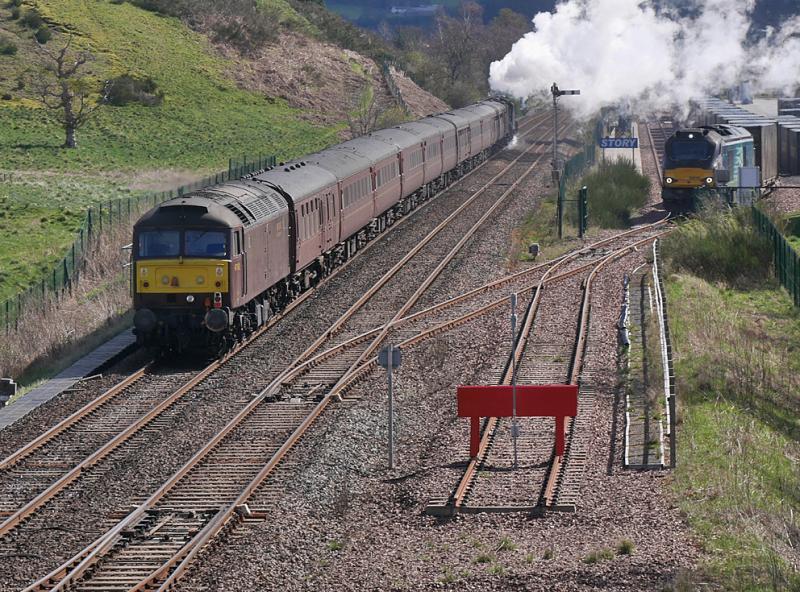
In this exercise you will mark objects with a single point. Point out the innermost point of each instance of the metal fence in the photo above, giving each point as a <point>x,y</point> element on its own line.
<point>787,261</point>
<point>99,219</point>
<point>573,169</point>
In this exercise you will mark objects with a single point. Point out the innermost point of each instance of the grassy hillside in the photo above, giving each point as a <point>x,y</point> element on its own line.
<point>203,120</point>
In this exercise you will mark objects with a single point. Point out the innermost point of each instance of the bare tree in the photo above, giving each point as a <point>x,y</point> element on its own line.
<point>363,118</point>
<point>62,85</point>
<point>457,38</point>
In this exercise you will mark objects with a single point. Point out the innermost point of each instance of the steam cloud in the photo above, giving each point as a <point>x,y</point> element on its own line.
<point>618,51</point>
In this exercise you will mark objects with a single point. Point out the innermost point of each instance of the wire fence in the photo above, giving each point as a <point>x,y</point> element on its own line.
<point>100,219</point>
<point>573,169</point>
<point>787,261</point>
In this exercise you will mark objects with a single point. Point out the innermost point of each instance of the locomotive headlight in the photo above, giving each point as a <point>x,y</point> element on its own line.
<point>190,299</point>
<point>165,280</point>
<point>669,180</point>
<point>200,280</point>
<point>143,270</point>
<point>219,272</point>
<point>709,180</point>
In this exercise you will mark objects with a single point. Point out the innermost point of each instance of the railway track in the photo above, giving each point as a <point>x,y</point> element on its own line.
<point>276,408</point>
<point>547,351</point>
<point>659,129</point>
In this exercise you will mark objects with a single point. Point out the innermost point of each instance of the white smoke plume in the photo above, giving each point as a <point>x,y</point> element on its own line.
<point>620,51</point>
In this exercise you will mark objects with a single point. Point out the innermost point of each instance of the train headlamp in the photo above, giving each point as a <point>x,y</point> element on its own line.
<point>200,280</point>
<point>219,272</point>
<point>709,180</point>
<point>143,270</point>
<point>190,299</point>
<point>165,280</point>
<point>669,180</point>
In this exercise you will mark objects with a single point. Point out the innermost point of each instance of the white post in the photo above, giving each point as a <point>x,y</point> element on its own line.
<point>514,427</point>
<point>391,409</point>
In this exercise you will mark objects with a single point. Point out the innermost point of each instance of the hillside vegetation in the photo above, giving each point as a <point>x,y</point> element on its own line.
<point>736,337</point>
<point>208,98</point>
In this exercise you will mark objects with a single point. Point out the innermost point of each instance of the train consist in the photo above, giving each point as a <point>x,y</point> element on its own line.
<point>211,266</point>
<point>725,139</point>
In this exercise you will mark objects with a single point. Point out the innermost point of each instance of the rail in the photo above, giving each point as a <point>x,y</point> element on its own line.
<point>666,355</point>
<point>101,546</point>
<point>458,498</point>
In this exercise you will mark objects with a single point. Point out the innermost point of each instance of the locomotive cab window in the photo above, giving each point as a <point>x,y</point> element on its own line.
<point>207,243</point>
<point>688,150</point>
<point>160,243</point>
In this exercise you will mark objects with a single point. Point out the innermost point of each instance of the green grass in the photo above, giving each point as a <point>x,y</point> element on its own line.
<point>540,226</point>
<point>720,245</point>
<point>38,220</point>
<point>737,479</point>
<point>599,555</point>
<point>203,121</point>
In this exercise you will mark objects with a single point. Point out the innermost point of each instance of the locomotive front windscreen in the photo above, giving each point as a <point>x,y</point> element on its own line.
<point>189,243</point>
<point>690,150</point>
<point>205,243</point>
<point>160,243</point>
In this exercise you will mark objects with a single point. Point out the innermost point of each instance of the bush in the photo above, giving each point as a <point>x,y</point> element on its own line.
<point>7,97</point>
<point>616,190</point>
<point>128,89</point>
<point>13,3</point>
<point>7,46</point>
<point>15,13</point>
<point>43,35</point>
<point>720,245</point>
<point>32,19</point>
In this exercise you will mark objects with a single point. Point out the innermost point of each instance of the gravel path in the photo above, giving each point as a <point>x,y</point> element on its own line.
<point>787,200</point>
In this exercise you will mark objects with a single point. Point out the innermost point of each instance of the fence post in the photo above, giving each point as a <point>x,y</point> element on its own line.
<point>65,279</point>
<point>89,225</point>
<point>8,315</point>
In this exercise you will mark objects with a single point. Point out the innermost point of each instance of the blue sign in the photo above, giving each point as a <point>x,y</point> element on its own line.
<point>619,142</point>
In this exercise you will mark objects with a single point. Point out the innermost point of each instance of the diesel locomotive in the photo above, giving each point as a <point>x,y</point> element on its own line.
<point>213,265</point>
<point>705,158</point>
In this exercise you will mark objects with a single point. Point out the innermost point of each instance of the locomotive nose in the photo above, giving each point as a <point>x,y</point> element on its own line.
<point>144,320</point>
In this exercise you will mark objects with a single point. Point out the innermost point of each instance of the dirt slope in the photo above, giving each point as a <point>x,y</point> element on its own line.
<point>323,80</point>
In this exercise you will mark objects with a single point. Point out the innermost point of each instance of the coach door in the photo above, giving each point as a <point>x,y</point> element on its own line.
<point>328,217</point>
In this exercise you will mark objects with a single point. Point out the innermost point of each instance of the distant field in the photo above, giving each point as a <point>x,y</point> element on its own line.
<point>204,120</point>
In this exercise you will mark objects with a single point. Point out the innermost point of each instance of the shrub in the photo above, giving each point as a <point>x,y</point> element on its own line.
<point>616,190</point>
<point>43,35</point>
<point>720,245</point>
<point>598,556</point>
<point>13,3</point>
<point>32,19</point>
<point>127,89</point>
<point>7,97</point>
<point>15,12</point>
<point>7,46</point>
<point>625,547</point>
